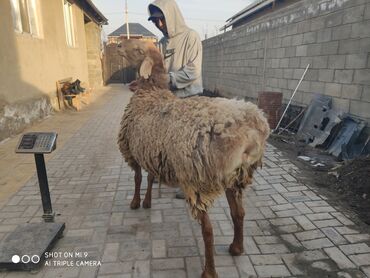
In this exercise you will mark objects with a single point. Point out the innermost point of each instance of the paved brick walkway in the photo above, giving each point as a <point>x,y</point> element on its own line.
<point>290,231</point>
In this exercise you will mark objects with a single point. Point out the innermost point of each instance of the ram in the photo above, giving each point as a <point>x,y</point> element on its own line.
<point>205,146</point>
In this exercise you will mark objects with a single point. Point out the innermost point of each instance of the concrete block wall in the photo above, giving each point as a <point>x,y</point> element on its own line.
<point>271,53</point>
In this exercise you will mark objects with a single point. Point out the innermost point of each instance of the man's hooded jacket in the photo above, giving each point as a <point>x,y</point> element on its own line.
<point>182,50</point>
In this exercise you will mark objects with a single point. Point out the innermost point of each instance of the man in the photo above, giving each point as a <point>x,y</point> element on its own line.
<point>182,51</point>
<point>181,48</point>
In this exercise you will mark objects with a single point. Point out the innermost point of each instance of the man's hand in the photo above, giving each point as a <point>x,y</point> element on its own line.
<point>133,86</point>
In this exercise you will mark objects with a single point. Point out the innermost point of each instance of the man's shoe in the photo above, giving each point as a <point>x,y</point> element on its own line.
<point>180,194</point>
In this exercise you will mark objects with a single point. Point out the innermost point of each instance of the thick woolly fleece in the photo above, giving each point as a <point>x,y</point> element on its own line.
<point>204,145</point>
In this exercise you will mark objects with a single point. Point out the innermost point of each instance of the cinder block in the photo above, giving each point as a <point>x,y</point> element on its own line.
<point>301,50</point>
<point>320,62</point>
<point>317,87</point>
<point>366,94</point>
<point>297,39</point>
<point>317,24</point>
<point>356,61</point>
<point>360,108</point>
<point>312,74</point>
<point>352,91</point>
<point>361,29</point>
<point>343,76</point>
<point>290,51</point>
<point>303,26</point>
<point>309,37</point>
<point>341,104</point>
<point>326,75</point>
<point>288,73</point>
<point>362,77</point>
<point>333,19</point>
<point>305,61</point>
<point>349,46</point>
<point>367,12</point>
<point>286,41</point>
<point>354,14</point>
<point>297,74</point>
<point>342,32</point>
<point>329,48</point>
<point>294,62</point>
<point>333,89</point>
<point>324,35</point>
<point>314,49</point>
<point>336,61</point>
<point>284,63</point>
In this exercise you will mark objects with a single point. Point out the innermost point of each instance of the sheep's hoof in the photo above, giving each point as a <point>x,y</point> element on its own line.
<point>206,274</point>
<point>135,204</point>
<point>236,249</point>
<point>147,204</point>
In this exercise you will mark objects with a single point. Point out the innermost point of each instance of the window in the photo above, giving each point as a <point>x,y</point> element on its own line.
<point>68,23</point>
<point>25,16</point>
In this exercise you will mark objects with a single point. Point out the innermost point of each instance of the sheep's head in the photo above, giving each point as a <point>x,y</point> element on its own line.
<point>141,55</point>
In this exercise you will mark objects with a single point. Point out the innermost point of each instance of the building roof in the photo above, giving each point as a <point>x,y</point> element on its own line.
<point>91,11</point>
<point>248,11</point>
<point>135,29</point>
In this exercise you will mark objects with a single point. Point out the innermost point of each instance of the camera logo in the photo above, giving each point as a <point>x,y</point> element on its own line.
<point>26,259</point>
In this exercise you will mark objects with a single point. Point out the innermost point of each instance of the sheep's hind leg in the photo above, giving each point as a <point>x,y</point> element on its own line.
<point>147,203</point>
<point>135,203</point>
<point>207,232</point>
<point>234,198</point>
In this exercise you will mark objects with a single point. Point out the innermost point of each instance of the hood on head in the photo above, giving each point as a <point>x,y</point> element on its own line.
<point>174,20</point>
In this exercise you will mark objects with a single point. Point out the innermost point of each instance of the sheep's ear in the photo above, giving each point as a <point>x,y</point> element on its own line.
<point>146,68</point>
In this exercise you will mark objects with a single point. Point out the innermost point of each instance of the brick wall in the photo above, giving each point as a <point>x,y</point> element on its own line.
<point>271,53</point>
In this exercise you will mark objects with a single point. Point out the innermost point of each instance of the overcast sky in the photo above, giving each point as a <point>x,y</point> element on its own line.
<point>205,16</point>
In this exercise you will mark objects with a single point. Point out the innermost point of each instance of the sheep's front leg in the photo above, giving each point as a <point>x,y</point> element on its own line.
<point>207,232</point>
<point>235,200</point>
<point>135,203</point>
<point>147,203</point>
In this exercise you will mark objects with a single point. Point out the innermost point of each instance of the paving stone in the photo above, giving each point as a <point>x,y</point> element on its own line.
<point>244,266</point>
<point>344,220</point>
<point>354,238</point>
<point>168,263</point>
<point>308,235</point>
<point>282,221</point>
<point>357,248</point>
<point>226,271</point>
<point>319,216</point>
<point>193,267</point>
<point>291,262</point>
<point>169,273</point>
<point>361,259</point>
<point>159,248</point>
<point>334,236</point>
<point>346,230</point>
<point>273,248</point>
<point>339,258</point>
<point>305,223</point>
<point>110,252</point>
<point>272,271</point>
<point>266,259</point>
<point>366,270</point>
<point>317,243</point>
<point>291,240</point>
<point>116,268</point>
<point>266,239</point>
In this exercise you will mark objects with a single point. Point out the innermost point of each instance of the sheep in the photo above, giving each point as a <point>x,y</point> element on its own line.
<point>206,146</point>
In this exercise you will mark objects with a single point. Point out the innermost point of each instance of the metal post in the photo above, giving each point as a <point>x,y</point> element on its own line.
<point>44,188</point>
<point>127,24</point>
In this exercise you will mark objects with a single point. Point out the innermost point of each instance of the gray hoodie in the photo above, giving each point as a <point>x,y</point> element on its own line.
<point>182,50</point>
